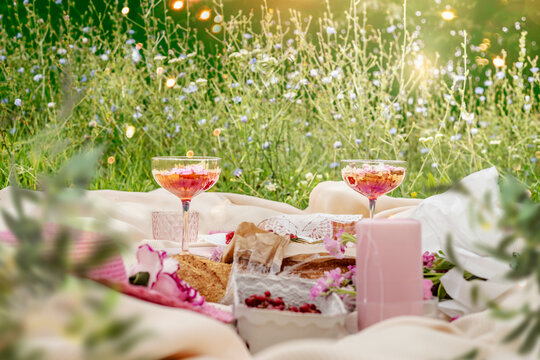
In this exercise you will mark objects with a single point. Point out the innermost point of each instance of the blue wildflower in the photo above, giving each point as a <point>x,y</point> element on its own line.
<point>18,102</point>
<point>244,119</point>
<point>237,99</point>
<point>266,145</point>
<point>334,165</point>
<point>62,61</point>
<point>358,141</point>
<point>249,81</point>
<point>238,172</point>
<point>191,88</point>
<point>38,77</point>
<point>392,131</point>
<point>337,144</point>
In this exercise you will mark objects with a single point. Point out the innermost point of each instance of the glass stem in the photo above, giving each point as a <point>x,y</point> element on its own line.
<point>372,208</point>
<point>185,231</point>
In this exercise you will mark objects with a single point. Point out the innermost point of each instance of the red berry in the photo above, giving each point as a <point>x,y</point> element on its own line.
<point>229,237</point>
<point>267,302</point>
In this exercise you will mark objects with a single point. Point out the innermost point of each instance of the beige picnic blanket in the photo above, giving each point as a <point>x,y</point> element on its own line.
<point>182,334</point>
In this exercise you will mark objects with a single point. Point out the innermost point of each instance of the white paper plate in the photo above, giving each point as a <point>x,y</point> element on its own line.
<point>216,239</point>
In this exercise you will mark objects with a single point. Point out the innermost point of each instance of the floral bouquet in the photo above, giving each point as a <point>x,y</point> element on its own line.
<point>344,284</point>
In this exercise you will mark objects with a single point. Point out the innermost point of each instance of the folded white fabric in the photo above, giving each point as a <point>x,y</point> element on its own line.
<point>449,214</point>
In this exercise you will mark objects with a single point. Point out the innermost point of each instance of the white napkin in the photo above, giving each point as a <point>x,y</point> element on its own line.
<point>449,213</point>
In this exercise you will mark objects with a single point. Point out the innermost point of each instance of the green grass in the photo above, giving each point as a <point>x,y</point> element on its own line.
<point>289,102</point>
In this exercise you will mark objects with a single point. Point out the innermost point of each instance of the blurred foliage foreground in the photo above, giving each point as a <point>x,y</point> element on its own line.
<point>281,101</point>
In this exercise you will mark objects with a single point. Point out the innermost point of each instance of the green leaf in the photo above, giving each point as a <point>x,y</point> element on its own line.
<point>532,338</point>
<point>140,278</point>
<point>450,252</point>
<point>470,355</point>
<point>519,330</point>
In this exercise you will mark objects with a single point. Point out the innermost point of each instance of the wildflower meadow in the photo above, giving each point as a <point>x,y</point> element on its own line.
<point>280,96</point>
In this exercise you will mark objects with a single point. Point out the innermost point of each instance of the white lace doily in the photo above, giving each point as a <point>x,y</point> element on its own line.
<point>313,227</point>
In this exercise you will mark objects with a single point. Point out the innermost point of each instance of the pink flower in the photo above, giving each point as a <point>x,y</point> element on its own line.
<point>351,274</point>
<point>150,261</point>
<point>216,253</point>
<point>427,285</point>
<point>163,277</point>
<point>334,277</point>
<point>428,258</point>
<point>334,247</point>
<point>171,285</point>
<point>318,289</point>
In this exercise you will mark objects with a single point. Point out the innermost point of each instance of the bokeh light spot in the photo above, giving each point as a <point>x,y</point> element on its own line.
<point>448,15</point>
<point>130,131</point>
<point>205,15</point>
<point>170,82</point>
<point>177,5</point>
<point>498,62</point>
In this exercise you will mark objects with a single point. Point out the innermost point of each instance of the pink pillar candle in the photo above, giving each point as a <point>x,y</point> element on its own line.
<point>389,269</point>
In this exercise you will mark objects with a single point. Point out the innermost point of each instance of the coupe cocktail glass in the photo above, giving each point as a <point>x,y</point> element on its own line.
<point>373,178</point>
<point>186,177</point>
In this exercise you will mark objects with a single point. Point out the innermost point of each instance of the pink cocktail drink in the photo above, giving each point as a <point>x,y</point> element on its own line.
<point>186,182</point>
<point>372,181</point>
<point>186,177</point>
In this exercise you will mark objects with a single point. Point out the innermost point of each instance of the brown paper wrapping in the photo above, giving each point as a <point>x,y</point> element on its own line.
<point>255,250</point>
